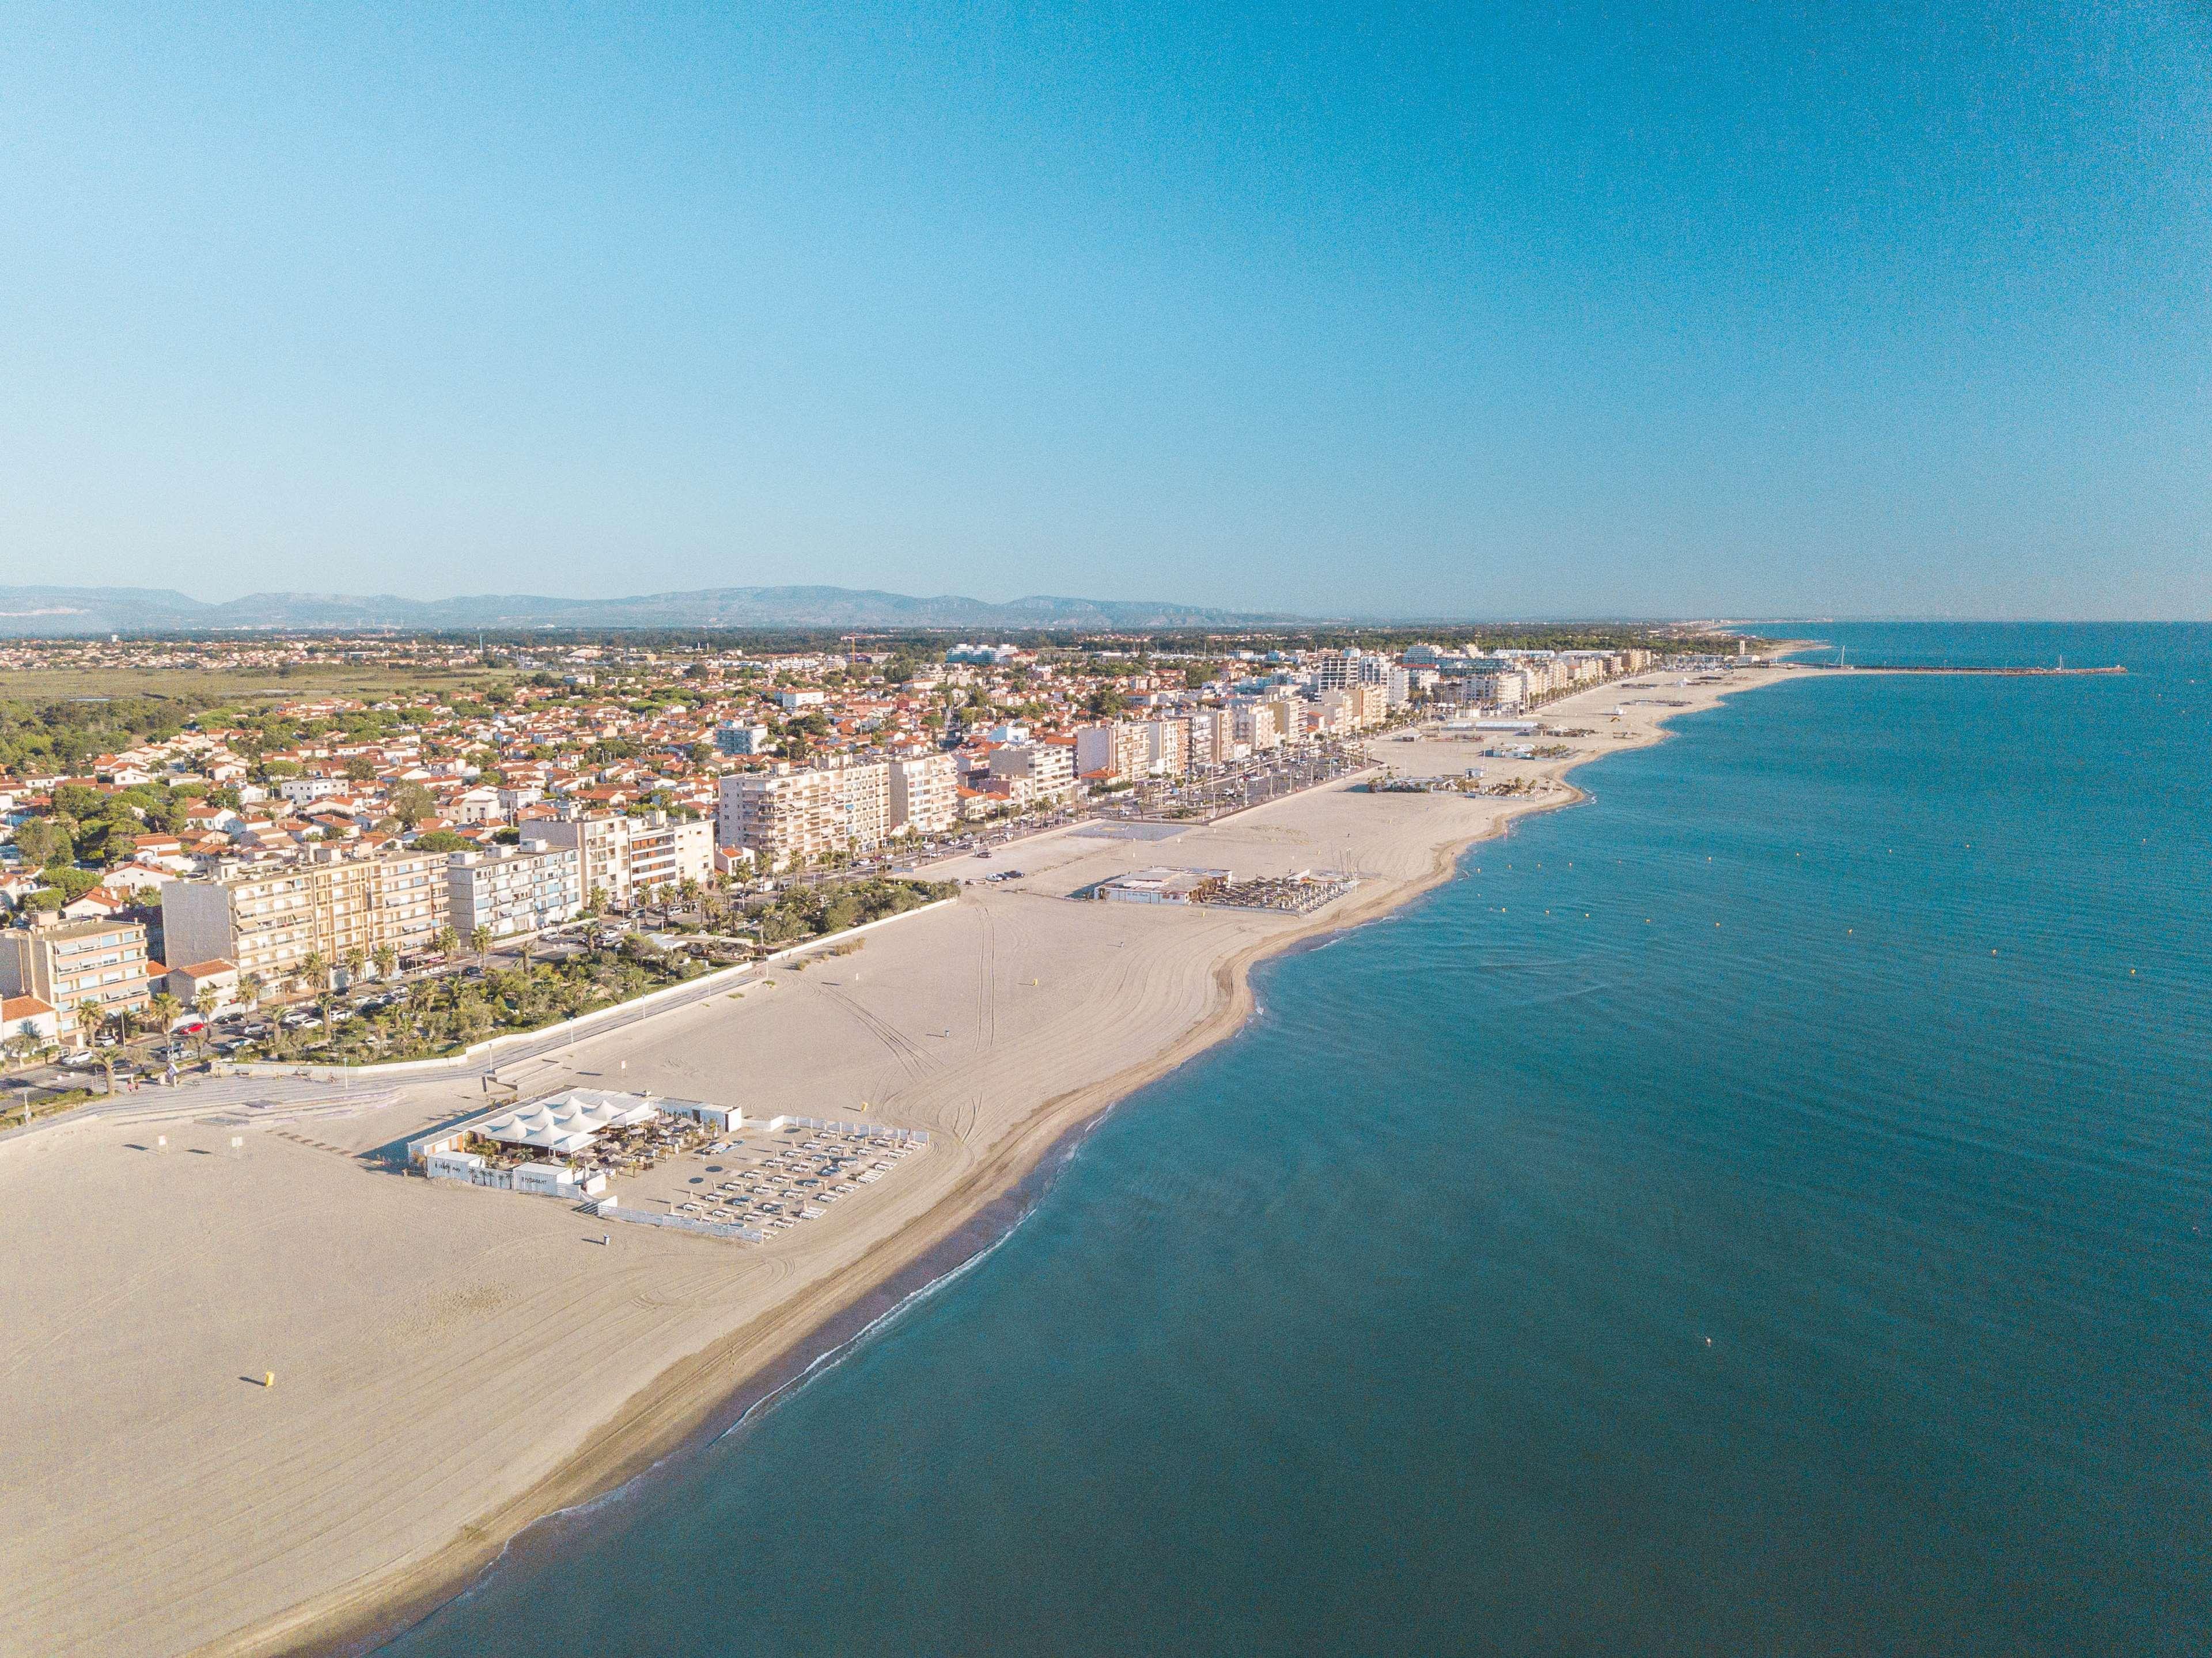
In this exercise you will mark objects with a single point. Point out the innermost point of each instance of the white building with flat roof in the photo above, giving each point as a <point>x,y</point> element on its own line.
<point>512,891</point>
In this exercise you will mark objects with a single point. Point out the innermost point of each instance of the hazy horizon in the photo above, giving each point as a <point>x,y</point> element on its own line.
<point>1375,618</point>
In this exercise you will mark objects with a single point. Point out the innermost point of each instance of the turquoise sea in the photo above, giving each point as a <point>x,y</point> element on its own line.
<point>1766,1210</point>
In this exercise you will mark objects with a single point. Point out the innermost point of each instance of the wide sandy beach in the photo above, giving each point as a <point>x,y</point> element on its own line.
<point>451,1363</point>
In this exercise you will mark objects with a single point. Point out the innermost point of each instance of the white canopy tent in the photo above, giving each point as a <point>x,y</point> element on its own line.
<point>567,1123</point>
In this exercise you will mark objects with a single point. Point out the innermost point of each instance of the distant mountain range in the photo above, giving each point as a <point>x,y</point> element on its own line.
<point>57,613</point>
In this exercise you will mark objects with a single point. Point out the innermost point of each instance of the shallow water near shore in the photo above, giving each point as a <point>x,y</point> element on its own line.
<point>1766,1208</point>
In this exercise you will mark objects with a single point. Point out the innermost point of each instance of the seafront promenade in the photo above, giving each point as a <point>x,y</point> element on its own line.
<point>412,1325</point>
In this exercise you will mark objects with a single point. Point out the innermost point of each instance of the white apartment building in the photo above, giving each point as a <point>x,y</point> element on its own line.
<point>510,891</point>
<point>666,852</point>
<point>1256,724</point>
<point>1355,707</point>
<point>1502,689</point>
<point>84,970</point>
<point>267,922</point>
<point>925,794</point>
<point>1119,751</point>
<point>306,791</point>
<point>1214,740</point>
<point>783,815</point>
<point>624,860</point>
<point>1167,744</point>
<point>1048,769</point>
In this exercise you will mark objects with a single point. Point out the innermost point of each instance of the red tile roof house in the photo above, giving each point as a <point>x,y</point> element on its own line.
<point>218,977</point>
<point>29,1017</point>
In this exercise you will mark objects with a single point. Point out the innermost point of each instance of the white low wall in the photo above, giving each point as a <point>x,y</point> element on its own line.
<point>570,1030</point>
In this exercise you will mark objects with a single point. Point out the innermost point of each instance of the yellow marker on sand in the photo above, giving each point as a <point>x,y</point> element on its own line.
<point>268,1378</point>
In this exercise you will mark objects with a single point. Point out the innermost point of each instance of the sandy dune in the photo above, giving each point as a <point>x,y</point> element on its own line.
<point>451,1363</point>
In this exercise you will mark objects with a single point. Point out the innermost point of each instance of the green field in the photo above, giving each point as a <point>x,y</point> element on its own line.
<point>205,687</point>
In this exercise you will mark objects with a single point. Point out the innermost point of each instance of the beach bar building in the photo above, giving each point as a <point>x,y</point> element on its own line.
<point>1163,885</point>
<point>531,1147</point>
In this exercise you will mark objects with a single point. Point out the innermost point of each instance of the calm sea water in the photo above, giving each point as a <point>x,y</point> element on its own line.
<point>1765,1210</point>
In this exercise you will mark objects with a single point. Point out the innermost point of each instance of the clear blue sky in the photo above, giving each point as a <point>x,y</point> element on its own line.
<point>1636,309</point>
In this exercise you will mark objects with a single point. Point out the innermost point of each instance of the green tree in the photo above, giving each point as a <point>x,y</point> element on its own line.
<point>42,842</point>
<point>412,804</point>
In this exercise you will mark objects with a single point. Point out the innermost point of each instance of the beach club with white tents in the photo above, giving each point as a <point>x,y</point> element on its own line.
<point>549,1132</point>
<point>567,1123</point>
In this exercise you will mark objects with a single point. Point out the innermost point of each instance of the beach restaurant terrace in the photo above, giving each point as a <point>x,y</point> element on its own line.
<point>553,1132</point>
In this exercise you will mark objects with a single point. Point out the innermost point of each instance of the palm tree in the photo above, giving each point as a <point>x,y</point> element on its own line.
<point>480,941</point>
<point>356,958</point>
<point>165,1008</point>
<point>250,988</point>
<point>204,1005</point>
<point>386,958</point>
<point>315,970</point>
<point>448,941</point>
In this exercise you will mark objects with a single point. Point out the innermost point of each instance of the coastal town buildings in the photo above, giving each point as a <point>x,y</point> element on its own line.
<point>269,833</point>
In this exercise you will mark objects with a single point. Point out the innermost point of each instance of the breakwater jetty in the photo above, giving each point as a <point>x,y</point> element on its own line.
<point>1934,667</point>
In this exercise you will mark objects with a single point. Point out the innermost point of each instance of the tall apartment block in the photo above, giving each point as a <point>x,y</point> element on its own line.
<point>84,970</point>
<point>783,815</point>
<point>925,794</point>
<point>512,891</point>
<point>268,922</point>
<point>624,860</point>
